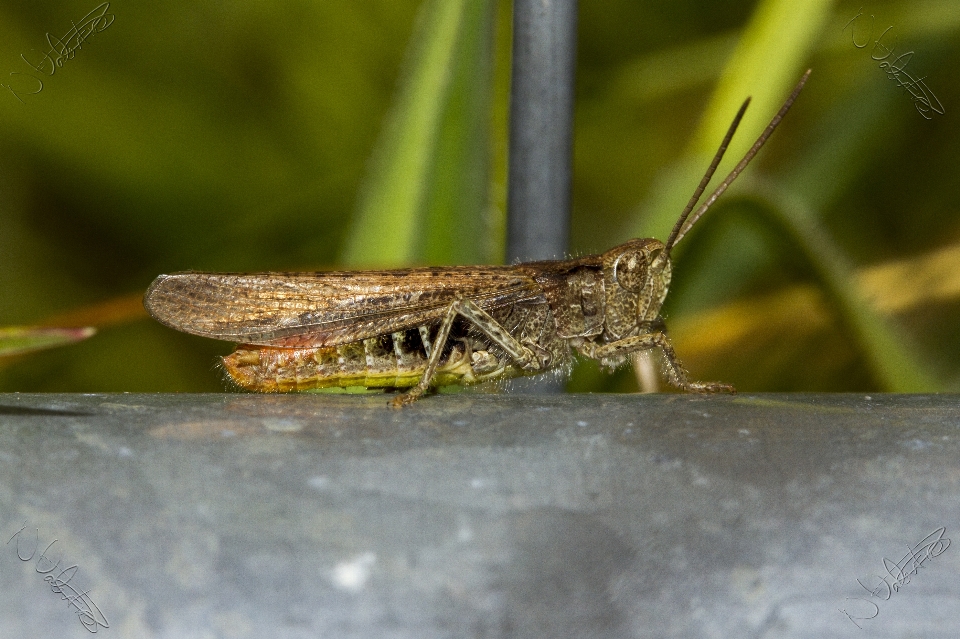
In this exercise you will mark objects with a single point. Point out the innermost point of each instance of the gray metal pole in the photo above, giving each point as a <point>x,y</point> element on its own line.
<point>541,139</point>
<point>541,128</point>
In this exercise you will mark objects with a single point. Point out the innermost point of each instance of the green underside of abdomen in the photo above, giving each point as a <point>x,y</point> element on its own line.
<point>275,370</point>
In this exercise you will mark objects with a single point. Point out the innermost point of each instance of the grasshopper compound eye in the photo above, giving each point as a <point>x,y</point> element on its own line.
<point>630,271</point>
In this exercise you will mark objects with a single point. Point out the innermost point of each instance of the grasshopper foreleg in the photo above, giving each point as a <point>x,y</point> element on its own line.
<point>675,370</point>
<point>525,357</point>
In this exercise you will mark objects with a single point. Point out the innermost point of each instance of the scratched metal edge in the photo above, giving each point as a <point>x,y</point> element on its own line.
<point>460,413</point>
<point>60,403</point>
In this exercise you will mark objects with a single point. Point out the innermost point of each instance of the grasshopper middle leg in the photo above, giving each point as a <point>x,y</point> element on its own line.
<point>525,357</point>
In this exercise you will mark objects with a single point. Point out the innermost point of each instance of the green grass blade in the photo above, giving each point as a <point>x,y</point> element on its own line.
<point>427,182</point>
<point>889,356</point>
<point>16,340</point>
<point>455,206</point>
<point>765,64</point>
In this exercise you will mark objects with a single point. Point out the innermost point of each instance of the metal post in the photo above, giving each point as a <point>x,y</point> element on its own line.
<point>541,128</point>
<point>541,134</point>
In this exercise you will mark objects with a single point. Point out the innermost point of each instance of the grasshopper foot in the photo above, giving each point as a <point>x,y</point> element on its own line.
<point>710,387</point>
<point>405,399</point>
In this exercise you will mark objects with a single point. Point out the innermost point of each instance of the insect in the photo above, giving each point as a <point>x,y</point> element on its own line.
<point>419,328</point>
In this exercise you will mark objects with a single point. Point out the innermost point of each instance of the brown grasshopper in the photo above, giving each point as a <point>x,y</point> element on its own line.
<point>425,327</point>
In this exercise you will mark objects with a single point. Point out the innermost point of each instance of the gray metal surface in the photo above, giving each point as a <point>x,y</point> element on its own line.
<point>479,515</point>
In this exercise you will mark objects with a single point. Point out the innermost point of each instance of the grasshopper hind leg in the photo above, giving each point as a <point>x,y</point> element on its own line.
<point>524,357</point>
<point>434,351</point>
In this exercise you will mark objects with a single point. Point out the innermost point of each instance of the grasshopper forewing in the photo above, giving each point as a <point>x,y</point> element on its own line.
<point>425,327</point>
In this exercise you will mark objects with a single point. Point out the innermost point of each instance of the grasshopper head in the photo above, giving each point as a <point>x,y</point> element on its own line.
<point>636,276</point>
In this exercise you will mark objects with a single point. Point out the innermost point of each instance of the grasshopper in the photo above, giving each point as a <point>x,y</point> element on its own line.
<point>421,328</point>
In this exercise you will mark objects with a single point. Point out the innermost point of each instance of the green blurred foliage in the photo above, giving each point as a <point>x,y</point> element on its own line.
<point>428,177</point>
<point>251,135</point>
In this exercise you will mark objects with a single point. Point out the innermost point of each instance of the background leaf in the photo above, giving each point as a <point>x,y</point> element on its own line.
<point>17,340</point>
<point>427,187</point>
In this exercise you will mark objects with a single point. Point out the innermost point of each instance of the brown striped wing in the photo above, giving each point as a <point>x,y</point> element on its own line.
<point>325,309</point>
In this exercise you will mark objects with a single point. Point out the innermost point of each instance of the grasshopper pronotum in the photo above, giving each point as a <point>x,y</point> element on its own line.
<point>425,327</point>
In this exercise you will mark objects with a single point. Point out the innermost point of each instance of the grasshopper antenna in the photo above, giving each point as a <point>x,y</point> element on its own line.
<point>686,221</point>
<point>707,176</point>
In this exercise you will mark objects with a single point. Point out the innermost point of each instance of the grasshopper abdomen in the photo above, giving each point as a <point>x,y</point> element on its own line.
<point>395,360</point>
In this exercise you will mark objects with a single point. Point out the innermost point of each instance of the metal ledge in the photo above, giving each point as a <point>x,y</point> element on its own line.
<point>479,515</point>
